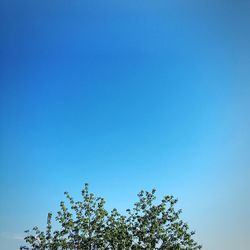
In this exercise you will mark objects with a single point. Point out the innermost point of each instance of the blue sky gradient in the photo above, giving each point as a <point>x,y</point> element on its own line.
<point>126,95</point>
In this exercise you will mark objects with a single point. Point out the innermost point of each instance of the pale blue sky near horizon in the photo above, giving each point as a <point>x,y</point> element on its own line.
<point>126,95</point>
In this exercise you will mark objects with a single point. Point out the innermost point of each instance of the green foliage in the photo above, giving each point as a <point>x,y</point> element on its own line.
<point>87,225</point>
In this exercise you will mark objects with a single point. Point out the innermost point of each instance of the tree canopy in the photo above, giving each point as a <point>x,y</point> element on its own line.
<point>87,225</point>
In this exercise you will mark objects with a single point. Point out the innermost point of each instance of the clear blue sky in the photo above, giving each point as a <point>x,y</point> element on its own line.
<point>126,95</point>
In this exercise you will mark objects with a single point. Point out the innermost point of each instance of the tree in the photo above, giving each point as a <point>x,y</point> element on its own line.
<point>87,225</point>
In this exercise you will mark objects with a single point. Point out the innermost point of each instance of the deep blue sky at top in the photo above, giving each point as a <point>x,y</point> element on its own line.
<point>125,95</point>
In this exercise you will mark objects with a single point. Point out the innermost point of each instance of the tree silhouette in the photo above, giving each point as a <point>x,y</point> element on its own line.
<point>87,225</point>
